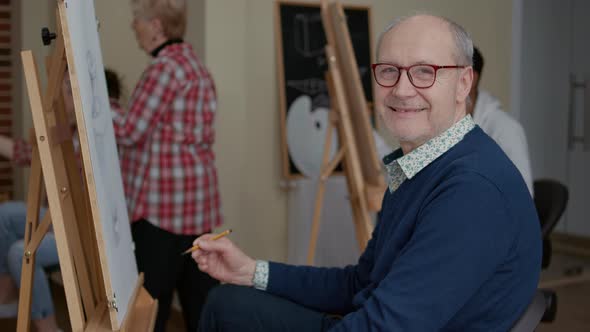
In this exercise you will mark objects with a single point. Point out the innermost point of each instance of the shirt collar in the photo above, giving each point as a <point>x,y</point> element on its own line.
<point>157,50</point>
<point>401,167</point>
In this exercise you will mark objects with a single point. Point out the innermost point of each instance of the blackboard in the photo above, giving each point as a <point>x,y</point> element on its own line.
<point>301,68</point>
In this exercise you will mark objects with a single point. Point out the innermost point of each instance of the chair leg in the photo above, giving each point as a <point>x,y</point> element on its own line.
<point>546,260</point>
<point>551,306</point>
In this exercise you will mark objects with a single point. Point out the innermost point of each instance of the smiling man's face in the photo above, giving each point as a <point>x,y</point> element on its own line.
<point>414,115</point>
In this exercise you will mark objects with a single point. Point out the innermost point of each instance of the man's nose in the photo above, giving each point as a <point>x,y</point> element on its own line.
<point>404,87</point>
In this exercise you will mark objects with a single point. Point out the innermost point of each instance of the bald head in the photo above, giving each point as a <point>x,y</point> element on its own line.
<point>460,41</point>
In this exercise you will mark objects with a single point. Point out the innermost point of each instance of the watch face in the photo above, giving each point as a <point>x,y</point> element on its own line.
<point>306,135</point>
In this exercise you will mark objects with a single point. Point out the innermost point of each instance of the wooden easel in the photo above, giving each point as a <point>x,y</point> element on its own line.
<point>364,177</point>
<point>54,161</point>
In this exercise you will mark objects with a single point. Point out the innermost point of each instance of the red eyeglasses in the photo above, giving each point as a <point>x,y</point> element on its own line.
<point>421,76</point>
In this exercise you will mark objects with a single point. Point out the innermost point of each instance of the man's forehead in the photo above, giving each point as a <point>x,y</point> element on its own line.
<point>423,39</point>
<point>421,29</point>
<point>423,22</point>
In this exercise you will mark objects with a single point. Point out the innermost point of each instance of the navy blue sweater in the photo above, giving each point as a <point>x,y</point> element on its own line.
<point>456,248</point>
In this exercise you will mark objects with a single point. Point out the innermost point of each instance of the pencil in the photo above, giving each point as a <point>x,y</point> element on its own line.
<point>218,236</point>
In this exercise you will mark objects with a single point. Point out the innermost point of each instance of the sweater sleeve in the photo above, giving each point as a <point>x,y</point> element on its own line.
<point>325,289</point>
<point>460,238</point>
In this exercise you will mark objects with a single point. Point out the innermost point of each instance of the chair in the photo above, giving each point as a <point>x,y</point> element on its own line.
<point>550,200</point>
<point>532,315</point>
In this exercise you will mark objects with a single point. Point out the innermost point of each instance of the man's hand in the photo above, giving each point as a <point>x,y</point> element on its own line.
<point>222,260</point>
<point>6,147</point>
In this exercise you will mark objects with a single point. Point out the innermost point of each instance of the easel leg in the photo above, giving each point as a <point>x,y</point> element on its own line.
<point>315,226</point>
<point>28,265</point>
<point>352,162</point>
<point>319,200</point>
<point>60,202</point>
<point>82,230</point>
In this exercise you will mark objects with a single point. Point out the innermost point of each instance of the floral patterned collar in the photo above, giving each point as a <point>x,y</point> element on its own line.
<point>401,167</point>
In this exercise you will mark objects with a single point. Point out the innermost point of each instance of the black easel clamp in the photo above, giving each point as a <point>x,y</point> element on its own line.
<point>47,36</point>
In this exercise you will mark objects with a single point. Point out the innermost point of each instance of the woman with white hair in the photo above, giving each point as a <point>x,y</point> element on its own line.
<point>168,166</point>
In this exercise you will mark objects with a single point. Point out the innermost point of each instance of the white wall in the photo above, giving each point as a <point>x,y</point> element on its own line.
<point>34,15</point>
<point>120,51</point>
<point>236,39</point>
<point>226,55</point>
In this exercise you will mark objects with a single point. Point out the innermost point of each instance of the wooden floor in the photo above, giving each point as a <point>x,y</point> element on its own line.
<point>573,301</point>
<point>176,323</point>
<point>573,313</point>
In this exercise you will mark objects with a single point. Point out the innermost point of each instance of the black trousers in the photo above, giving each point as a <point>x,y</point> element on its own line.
<point>231,308</point>
<point>158,255</point>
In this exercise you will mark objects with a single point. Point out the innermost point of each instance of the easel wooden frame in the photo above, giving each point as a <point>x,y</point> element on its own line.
<point>364,177</point>
<point>54,161</point>
<point>288,174</point>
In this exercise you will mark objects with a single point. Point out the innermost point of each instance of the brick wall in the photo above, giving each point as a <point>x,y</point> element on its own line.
<point>6,91</point>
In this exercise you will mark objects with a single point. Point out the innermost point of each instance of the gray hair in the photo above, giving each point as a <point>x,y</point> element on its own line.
<point>171,13</point>
<point>463,42</point>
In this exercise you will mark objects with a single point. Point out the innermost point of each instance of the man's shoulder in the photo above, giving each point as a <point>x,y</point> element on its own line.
<point>478,153</point>
<point>475,145</point>
<point>504,129</point>
<point>502,118</point>
<point>485,155</point>
<point>494,121</point>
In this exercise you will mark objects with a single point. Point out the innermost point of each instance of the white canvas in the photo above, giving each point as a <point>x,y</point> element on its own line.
<point>117,245</point>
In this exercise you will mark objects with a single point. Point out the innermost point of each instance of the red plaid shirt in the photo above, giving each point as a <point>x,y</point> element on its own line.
<point>165,143</point>
<point>21,152</point>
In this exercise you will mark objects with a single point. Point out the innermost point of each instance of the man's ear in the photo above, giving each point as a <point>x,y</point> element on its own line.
<point>464,84</point>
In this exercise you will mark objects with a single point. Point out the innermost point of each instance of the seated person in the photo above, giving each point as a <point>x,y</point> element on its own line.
<point>12,231</point>
<point>457,245</point>
<point>500,126</point>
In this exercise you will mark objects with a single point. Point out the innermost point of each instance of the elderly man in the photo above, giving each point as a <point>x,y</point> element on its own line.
<point>457,245</point>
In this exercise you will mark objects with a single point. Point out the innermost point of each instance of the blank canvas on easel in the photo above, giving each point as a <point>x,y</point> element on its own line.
<point>99,152</point>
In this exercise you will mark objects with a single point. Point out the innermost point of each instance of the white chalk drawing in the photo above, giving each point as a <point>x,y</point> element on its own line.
<point>306,133</point>
<point>101,113</point>
<point>96,102</point>
<point>310,41</point>
<point>320,100</point>
<point>104,179</point>
<point>309,86</point>
<point>307,28</point>
<point>116,225</point>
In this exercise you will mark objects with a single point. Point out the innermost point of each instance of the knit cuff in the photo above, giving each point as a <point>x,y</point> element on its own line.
<point>260,279</point>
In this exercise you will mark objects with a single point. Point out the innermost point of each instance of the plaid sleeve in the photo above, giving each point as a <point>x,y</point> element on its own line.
<point>21,152</point>
<point>150,99</point>
<point>116,107</point>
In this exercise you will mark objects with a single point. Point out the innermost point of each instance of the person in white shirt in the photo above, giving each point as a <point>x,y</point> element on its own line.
<point>499,125</point>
